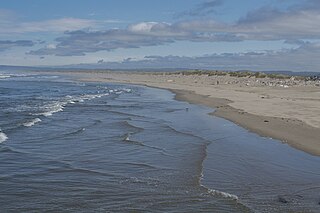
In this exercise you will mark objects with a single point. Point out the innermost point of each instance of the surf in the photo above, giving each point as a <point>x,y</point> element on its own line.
<point>3,136</point>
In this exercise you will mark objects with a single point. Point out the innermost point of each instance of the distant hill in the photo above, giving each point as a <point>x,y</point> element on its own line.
<point>290,73</point>
<point>6,67</point>
<point>74,68</point>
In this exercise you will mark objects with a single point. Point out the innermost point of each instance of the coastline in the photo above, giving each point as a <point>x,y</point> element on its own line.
<point>269,112</point>
<point>297,134</point>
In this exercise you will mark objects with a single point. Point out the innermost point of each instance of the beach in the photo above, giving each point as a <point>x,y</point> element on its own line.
<point>160,106</point>
<point>287,110</point>
<point>129,147</point>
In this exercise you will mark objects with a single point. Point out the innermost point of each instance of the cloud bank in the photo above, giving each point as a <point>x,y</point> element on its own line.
<point>7,44</point>
<point>303,58</point>
<point>264,24</point>
<point>298,26</point>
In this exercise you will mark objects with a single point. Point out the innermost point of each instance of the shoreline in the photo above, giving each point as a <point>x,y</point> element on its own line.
<point>265,126</point>
<point>251,107</point>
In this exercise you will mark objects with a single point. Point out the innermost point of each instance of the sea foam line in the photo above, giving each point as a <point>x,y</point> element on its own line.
<point>58,106</point>
<point>4,76</point>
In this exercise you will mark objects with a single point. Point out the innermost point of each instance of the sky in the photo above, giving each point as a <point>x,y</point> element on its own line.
<point>196,34</point>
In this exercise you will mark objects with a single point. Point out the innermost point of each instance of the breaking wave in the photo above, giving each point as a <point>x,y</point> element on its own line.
<point>58,106</point>
<point>3,137</point>
<point>223,194</point>
<point>32,122</point>
<point>4,76</point>
<point>11,75</point>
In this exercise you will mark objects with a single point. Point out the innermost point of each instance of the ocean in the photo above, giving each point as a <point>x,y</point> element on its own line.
<point>71,146</point>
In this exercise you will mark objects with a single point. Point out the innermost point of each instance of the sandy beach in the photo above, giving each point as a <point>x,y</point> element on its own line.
<point>287,110</point>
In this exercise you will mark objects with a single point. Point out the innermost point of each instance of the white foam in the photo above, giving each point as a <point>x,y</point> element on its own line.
<point>120,91</point>
<point>127,90</point>
<point>53,108</point>
<point>10,75</point>
<point>223,194</point>
<point>127,137</point>
<point>32,122</point>
<point>58,106</point>
<point>47,77</point>
<point>90,97</point>
<point>4,76</point>
<point>3,137</point>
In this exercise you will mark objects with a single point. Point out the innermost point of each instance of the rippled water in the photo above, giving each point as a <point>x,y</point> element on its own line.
<point>69,146</point>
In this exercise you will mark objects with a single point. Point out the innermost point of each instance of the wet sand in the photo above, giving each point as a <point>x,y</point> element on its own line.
<point>290,114</point>
<point>296,133</point>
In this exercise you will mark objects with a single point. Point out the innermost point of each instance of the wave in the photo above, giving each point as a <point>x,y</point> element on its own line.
<point>127,90</point>
<point>32,122</point>
<point>10,75</point>
<point>53,108</point>
<point>46,76</point>
<point>4,76</point>
<point>125,114</point>
<point>145,165</point>
<point>71,132</point>
<point>189,134</point>
<point>129,125</point>
<point>90,97</point>
<point>77,131</point>
<point>126,138</point>
<point>223,194</point>
<point>3,137</point>
<point>58,106</point>
<point>47,108</point>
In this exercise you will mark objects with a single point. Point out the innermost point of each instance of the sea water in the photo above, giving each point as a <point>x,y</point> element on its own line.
<point>70,146</point>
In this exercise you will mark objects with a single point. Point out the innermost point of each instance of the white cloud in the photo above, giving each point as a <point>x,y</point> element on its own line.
<point>51,46</point>
<point>294,25</point>
<point>143,27</point>
<point>264,24</point>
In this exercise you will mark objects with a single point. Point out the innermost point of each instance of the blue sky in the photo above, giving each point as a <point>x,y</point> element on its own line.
<point>210,34</point>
